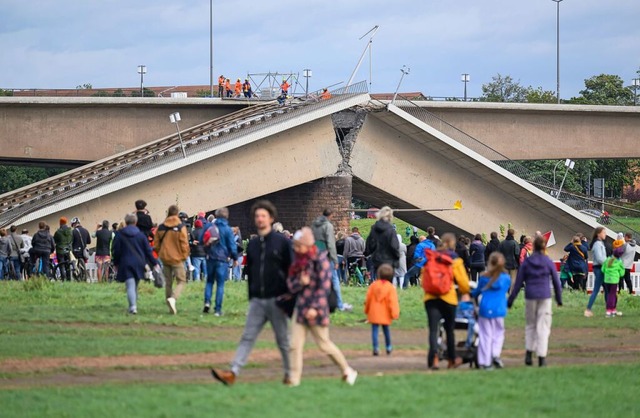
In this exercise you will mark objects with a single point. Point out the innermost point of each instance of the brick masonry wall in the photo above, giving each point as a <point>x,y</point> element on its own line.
<point>300,205</point>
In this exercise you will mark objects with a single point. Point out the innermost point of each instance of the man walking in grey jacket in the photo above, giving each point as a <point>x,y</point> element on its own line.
<point>325,237</point>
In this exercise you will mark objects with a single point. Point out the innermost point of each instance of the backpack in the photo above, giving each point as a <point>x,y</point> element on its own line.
<point>214,236</point>
<point>437,273</point>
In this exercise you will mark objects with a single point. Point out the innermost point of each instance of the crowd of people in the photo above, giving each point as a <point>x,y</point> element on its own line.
<point>298,276</point>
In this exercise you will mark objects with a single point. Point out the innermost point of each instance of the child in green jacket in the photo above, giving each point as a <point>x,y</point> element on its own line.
<point>613,270</point>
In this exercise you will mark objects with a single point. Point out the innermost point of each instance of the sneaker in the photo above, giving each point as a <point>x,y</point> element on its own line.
<point>346,307</point>
<point>225,377</point>
<point>207,308</point>
<point>497,362</point>
<point>350,377</point>
<point>487,368</point>
<point>191,268</point>
<point>389,350</point>
<point>217,314</point>
<point>610,315</point>
<point>617,313</point>
<point>133,311</point>
<point>172,305</point>
<point>588,313</point>
<point>376,353</point>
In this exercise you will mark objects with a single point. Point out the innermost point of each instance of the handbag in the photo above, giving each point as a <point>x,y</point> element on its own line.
<point>333,299</point>
<point>85,250</point>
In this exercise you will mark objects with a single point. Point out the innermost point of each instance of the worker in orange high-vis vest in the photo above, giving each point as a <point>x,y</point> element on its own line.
<point>246,89</point>
<point>238,89</point>
<point>227,87</point>
<point>285,87</point>
<point>221,81</point>
<point>325,94</point>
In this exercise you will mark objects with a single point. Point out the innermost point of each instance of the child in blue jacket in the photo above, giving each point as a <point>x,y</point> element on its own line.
<point>492,289</point>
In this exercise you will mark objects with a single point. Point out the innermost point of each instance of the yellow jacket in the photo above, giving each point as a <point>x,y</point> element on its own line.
<point>461,278</point>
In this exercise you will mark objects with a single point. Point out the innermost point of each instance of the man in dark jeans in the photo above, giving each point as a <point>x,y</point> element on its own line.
<point>64,240</point>
<point>145,224</point>
<point>81,239</point>
<point>269,257</point>
<point>511,251</point>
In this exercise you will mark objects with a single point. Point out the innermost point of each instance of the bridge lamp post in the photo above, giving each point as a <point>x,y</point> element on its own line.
<point>636,84</point>
<point>465,79</point>
<point>554,173</point>
<point>142,70</point>
<point>569,164</point>
<point>175,118</point>
<point>307,73</point>
<point>557,49</point>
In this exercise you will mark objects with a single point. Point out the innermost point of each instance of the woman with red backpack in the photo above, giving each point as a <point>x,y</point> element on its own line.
<point>442,271</point>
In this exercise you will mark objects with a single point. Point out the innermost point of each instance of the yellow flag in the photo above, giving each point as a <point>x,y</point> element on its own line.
<point>457,205</point>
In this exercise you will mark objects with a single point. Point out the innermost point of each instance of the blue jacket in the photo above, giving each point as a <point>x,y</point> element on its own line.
<point>131,251</point>
<point>578,256</point>
<point>418,254</point>
<point>225,248</point>
<point>493,303</point>
<point>476,252</point>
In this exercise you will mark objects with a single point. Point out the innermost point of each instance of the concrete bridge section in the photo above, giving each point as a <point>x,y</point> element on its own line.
<point>74,131</point>
<point>545,132</point>
<point>390,157</point>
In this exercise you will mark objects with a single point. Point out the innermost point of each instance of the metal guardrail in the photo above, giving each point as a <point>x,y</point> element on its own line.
<point>18,203</point>
<point>574,200</point>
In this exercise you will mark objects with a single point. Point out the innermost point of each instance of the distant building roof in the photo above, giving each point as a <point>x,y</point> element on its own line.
<point>389,96</point>
<point>165,91</point>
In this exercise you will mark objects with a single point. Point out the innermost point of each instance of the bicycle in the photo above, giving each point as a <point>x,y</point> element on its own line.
<point>357,273</point>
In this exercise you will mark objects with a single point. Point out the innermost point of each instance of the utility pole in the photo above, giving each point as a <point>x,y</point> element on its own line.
<point>211,48</point>
<point>557,49</point>
<point>465,79</point>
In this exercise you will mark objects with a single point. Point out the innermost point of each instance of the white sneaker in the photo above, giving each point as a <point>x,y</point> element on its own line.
<point>191,268</point>
<point>350,377</point>
<point>617,313</point>
<point>172,305</point>
<point>346,307</point>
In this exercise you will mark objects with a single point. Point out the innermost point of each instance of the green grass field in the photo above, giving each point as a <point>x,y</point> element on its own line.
<point>587,391</point>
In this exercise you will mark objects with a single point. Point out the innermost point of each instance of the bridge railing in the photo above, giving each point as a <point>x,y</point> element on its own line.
<point>16,204</point>
<point>579,202</point>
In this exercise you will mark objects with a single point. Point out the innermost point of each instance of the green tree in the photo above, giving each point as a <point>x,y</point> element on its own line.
<point>539,95</point>
<point>503,89</point>
<point>6,92</point>
<point>146,92</point>
<point>15,177</point>
<point>101,93</point>
<point>118,93</point>
<point>85,86</point>
<point>604,89</point>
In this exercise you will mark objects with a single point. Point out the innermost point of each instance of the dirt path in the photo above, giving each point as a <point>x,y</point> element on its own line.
<point>568,346</point>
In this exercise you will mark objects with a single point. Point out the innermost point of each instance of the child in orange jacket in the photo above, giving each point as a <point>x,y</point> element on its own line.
<point>381,306</point>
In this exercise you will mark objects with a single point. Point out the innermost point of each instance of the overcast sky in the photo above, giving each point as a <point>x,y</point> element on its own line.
<point>63,43</point>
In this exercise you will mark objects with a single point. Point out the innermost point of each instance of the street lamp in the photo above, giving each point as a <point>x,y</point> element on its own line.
<point>175,118</point>
<point>306,73</point>
<point>557,49</point>
<point>211,48</point>
<point>465,79</point>
<point>554,173</point>
<point>142,70</point>
<point>636,84</point>
<point>405,71</point>
<point>569,164</point>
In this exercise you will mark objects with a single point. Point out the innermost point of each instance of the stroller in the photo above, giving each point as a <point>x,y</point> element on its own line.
<point>469,355</point>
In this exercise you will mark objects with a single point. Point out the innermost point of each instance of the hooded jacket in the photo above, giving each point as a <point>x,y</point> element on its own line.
<point>613,270</point>
<point>353,246</point>
<point>511,251</point>
<point>63,238</point>
<point>492,247</point>
<point>42,242</point>
<point>525,252</point>
<point>476,254</point>
<point>381,305</point>
<point>325,237</point>
<point>226,246</point>
<point>131,251</point>
<point>401,270</point>
<point>536,272</point>
<point>629,255</point>
<point>171,242</point>
<point>197,250</point>
<point>268,262</point>
<point>382,245</point>
<point>419,257</point>
<point>493,303</point>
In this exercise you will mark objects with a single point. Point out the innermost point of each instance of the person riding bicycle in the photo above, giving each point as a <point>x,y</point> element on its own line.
<point>64,241</point>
